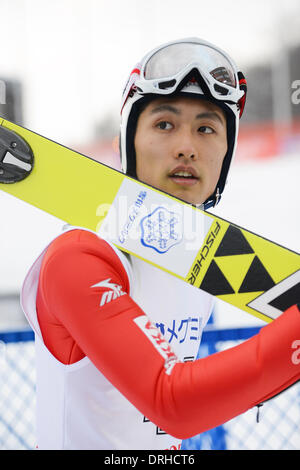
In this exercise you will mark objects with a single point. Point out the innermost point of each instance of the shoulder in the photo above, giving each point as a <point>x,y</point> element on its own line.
<point>78,252</point>
<point>77,268</point>
<point>78,240</point>
<point>83,242</point>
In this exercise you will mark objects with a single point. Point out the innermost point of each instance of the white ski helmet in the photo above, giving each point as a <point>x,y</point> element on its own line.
<point>187,67</point>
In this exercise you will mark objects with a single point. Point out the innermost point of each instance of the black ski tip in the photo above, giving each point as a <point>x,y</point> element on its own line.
<point>16,157</point>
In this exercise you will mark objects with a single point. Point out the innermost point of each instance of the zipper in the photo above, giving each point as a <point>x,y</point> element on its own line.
<point>271,398</point>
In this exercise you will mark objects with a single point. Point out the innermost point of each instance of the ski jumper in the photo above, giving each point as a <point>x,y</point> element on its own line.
<point>116,341</point>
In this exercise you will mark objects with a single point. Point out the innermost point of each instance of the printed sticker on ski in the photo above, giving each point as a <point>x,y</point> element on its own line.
<point>153,226</point>
<point>161,229</point>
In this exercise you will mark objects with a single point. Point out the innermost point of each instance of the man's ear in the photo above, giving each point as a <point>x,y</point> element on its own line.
<point>115,144</point>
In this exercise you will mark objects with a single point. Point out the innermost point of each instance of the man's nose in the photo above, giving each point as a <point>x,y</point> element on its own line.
<point>185,146</point>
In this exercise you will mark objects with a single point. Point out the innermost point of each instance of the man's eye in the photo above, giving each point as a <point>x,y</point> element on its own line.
<point>164,125</point>
<point>206,130</point>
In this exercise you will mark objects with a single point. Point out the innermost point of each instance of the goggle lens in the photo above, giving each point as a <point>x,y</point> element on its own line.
<point>171,60</point>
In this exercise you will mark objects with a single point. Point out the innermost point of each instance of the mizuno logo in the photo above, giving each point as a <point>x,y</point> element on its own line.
<point>113,291</point>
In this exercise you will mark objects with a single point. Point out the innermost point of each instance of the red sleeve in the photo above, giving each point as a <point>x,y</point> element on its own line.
<point>184,399</point>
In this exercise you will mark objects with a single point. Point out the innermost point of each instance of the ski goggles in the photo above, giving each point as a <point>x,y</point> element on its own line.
<point>180,64</point>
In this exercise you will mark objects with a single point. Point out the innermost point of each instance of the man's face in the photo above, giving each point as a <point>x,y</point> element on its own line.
<point>180,145</point>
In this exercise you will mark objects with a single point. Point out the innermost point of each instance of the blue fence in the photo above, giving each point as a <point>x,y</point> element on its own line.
<point>278,427</point>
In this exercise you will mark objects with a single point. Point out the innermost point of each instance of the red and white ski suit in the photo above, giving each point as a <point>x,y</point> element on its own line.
<point>116,341</point>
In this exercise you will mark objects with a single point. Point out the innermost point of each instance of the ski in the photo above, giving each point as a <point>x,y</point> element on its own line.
<point>236,265</point>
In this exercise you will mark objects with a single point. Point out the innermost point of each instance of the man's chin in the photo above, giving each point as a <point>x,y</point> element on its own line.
<point>185,196</point>
<point>189,195</point>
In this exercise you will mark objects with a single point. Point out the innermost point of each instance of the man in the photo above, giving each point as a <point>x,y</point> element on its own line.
<point>116,338</point>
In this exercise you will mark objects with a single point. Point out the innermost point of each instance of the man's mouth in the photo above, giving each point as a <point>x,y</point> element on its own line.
<point>184,176</point>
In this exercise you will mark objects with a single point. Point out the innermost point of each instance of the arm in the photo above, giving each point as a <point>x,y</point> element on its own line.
<point>184,399</point>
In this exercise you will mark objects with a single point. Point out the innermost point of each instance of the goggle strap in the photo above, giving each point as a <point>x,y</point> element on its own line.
<point>130,85</point>
<point>243,87</point>
<point>192,76</point>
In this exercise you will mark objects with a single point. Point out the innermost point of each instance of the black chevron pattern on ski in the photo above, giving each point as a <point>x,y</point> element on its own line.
<point>257,278</point>
<point>287,299</point>
<point>214,282</point>
<point>233,243</point>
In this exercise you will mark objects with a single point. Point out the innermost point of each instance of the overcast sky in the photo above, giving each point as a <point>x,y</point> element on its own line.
<point>73,56</point>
